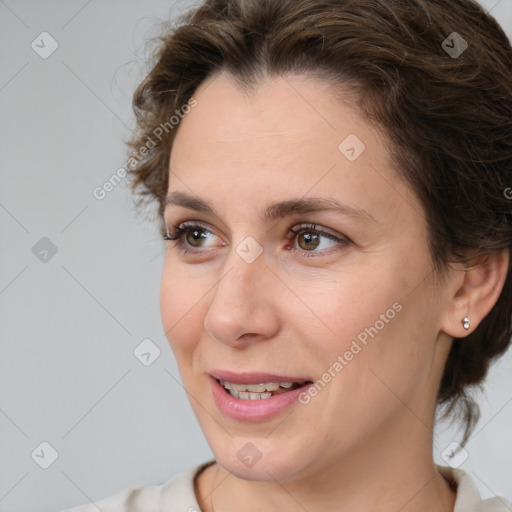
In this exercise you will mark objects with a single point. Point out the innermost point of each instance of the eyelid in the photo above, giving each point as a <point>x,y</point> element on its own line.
<point>312,226</point>
<point>295,228</point>
<point>194,223</point>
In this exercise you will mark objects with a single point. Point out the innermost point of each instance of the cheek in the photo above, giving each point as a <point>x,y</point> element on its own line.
<point>180,309</point>
<point>386,355</point>
<point>368,321</point>
<point>347,307</point>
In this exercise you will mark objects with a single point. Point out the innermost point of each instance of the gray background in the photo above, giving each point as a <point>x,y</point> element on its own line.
<point>69,325</point>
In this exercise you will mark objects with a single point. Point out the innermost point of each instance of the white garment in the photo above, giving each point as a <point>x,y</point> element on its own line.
<point>177,495</point>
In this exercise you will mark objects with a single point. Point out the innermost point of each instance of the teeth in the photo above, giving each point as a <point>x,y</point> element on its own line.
<point>244,395</point>
<point>255,388</point>
<point>256,391</point>
<point>238,387</point>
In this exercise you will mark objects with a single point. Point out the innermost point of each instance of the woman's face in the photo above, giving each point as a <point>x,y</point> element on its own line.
<point>348,301</point>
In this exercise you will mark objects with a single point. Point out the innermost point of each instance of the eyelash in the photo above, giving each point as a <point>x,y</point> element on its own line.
<point>185,228</point>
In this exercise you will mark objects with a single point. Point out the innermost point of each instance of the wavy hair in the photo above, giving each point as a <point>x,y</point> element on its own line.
<point>446,110</point>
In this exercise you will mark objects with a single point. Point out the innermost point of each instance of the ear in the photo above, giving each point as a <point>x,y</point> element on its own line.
<point>475,291</point>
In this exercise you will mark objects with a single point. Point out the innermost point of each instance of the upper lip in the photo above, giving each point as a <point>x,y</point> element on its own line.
<point>254,378</point>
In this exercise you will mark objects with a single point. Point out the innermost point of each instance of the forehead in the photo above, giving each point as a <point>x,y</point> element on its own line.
<point>289,137</point>
<point>293,106</point>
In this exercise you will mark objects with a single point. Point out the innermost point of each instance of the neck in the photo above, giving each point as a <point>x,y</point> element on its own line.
<point>398,474</point>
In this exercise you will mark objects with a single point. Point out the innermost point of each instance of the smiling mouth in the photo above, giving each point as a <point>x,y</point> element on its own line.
<point>261,391</point>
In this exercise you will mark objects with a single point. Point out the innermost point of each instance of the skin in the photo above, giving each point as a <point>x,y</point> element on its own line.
<point>365,441</point>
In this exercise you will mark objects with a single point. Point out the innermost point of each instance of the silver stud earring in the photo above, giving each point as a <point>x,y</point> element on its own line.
<point>465,323</point>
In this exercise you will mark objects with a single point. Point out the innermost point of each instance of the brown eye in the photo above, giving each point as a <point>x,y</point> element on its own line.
<point>310,241</point>
<point>309,238</point>
<point>189,237</point>
<point>195,236</point>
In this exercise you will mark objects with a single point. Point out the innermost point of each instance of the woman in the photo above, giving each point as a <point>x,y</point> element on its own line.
<point>332,181</point>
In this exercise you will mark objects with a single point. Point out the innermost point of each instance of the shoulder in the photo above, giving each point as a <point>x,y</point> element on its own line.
<point>468,498</point>
<point>177,493</point>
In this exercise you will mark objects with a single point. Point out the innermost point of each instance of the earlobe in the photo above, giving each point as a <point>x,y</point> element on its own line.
<point>476,293</point>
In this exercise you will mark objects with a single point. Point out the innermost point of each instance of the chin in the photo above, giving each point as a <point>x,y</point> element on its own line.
<point>264,460</point>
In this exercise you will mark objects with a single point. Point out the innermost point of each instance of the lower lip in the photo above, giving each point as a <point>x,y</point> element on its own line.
<point>253,410</point>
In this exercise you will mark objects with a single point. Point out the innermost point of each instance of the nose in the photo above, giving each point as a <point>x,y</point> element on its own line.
<point>244,306</point>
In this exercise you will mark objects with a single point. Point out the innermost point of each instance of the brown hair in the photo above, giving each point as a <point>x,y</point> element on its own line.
<point>447,115</point>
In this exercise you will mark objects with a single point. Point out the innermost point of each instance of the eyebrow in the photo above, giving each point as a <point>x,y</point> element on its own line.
<point>274,211</point>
